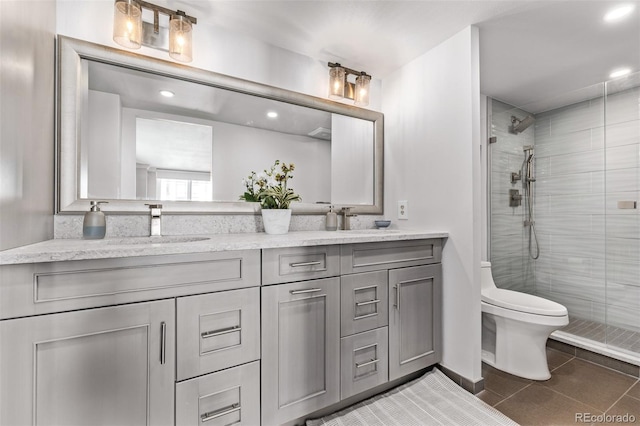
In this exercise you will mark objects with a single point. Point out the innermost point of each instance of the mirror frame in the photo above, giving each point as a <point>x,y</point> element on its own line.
<point>69,121</point>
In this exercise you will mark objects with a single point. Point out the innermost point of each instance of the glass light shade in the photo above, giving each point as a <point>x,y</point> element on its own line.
<point>180,41</point>
<point>362,90</point>
<point>127,24</point>
<point>336,83</point>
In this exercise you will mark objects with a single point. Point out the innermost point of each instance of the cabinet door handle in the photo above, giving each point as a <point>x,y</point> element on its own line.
<point>310,290</point>
<point>364,364</point>
<point>368,302</point>
<point>163,342</point>
<point>296,265</point>
<point>214,333</point>
<point>219,413</point>
<point>397,304</point>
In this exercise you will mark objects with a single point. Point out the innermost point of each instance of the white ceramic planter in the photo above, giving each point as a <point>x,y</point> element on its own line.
<point>276,221</point>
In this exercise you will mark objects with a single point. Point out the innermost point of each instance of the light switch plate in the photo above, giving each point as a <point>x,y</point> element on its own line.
<point>403,210</point>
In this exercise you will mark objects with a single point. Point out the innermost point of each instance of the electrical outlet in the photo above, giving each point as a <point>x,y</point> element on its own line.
<point>403,210</point>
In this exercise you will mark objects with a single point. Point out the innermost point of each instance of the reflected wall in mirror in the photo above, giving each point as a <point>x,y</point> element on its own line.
<point>135,129</point>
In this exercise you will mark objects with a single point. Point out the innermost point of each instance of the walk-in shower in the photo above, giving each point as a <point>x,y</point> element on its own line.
<point>564,222</point>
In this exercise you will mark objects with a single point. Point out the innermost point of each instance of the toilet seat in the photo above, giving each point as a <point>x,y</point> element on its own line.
<point>522,302</point>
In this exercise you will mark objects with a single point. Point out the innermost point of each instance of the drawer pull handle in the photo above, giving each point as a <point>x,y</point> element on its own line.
<point>163,342</point>
<point>364,364</point>
<point>310,290</point>
<point>219,413</point>
<point>369,302</point>
<point>297,265</point>
<point>214,333</point>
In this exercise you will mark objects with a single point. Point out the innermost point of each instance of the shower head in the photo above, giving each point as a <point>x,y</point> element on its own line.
<point>518,126</point>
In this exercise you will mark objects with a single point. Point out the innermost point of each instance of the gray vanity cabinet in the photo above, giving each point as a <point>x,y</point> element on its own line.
<point>112,365</point>
<point>414,281</point>
<point>300,348</point>
<point>415,301</point>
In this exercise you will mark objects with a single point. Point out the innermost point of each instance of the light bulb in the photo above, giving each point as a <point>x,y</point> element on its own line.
<point>336,82</point>
<point>127,24</point>
<point>362,90</point>
<point>180,42</point>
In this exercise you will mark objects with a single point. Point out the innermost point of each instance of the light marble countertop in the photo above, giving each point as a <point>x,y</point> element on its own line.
<point>78,249</point>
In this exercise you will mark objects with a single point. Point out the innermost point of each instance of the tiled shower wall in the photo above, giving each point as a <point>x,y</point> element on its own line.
<point>589,249</point>
<point>510,263</point>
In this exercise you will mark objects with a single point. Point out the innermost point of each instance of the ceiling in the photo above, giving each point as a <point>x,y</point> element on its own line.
<point>530,50</point>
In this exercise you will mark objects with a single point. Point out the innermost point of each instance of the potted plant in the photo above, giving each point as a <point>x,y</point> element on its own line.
<point>269,188</point>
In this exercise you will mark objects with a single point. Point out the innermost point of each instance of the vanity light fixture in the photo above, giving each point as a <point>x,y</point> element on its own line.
<point>340,87</point>
<point>128,28</point>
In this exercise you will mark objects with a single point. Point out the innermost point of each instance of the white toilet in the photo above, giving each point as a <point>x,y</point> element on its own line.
<point>515,328</point>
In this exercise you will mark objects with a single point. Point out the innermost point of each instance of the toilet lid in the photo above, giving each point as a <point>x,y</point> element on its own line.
<point>522,302</point>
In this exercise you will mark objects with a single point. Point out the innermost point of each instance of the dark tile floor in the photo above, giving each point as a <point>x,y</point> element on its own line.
<point>577,387</point>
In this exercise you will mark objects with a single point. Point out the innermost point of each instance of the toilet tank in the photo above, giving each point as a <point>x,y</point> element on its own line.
<point>486,278</point>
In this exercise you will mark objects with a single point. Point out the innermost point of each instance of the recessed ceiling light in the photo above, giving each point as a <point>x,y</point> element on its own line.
<point>620,72</point>
<point>619,12</point>
<point>167,93</point>
<point>272,114</point>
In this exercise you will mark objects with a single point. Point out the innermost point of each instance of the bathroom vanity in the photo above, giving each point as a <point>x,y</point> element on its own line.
<point>244,328</point>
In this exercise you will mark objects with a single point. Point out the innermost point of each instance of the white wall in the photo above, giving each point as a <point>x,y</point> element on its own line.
<point>432,159</point>
<point>27,43</point>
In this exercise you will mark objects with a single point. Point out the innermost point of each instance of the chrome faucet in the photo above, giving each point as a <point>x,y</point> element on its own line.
<point>155,210</point>
<point>346,218</point>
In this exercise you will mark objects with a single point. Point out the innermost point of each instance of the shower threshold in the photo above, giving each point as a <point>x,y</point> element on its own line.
<point>621,344</point>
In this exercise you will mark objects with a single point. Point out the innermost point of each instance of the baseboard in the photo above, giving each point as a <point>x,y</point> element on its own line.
<point>463,382</point>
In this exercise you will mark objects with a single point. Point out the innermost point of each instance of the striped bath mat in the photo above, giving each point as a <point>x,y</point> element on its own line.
<point>433,399</point>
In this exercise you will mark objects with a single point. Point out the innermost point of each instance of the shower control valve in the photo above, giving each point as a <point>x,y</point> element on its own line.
<point>515,177</point>
<point>515,198</point>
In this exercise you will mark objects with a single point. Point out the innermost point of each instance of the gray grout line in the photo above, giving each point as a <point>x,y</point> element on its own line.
<point>621,396</point>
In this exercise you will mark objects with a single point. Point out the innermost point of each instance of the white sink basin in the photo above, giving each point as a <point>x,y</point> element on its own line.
<point>170,239</point>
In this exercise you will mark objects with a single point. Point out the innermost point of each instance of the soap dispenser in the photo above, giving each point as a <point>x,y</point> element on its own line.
<point>94,225</point>
<point>332,220</point>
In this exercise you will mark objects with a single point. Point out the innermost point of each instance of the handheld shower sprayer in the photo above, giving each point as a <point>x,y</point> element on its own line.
<point>528,180</point>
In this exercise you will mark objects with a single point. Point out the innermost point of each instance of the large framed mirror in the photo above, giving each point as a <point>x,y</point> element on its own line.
<point>121,140</point>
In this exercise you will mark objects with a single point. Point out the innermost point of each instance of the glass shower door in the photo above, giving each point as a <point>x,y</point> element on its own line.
<point>622,218</point>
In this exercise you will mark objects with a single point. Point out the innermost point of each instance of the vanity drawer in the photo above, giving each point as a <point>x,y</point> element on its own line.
<point>363,302</point>
<point>366,257</point>
<point>217,331</point>
<point>364,361</point>
<point>40,288</point>
<point>283,265</point>
<point>227,397</point>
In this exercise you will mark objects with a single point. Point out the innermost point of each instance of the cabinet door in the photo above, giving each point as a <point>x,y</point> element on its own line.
<point>415,323</point>
<point>300,349</point>
<point>228,397</point>
<point>111,366</point>
<point>364,358</point>
<point>363,302</point>
<point>217,331</point>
